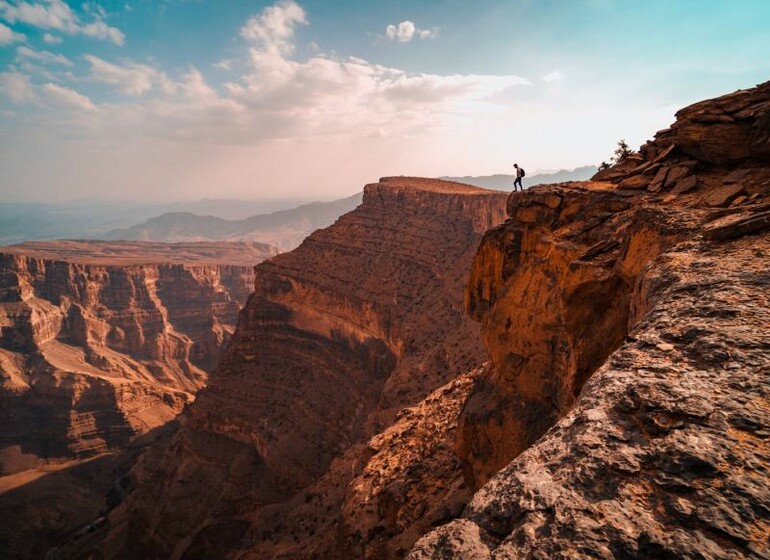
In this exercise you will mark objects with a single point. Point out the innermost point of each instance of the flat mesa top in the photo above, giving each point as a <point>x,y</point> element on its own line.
<point>433,185</point>
<point>141,252</point>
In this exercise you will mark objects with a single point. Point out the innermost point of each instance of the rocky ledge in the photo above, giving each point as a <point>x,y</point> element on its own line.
<point>625,412</point>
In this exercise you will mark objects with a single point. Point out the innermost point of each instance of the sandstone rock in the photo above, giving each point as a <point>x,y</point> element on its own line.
<point>738,226</point>
<point>100,344</point>
<point>675,175</point>
<point>740,134</point>
<point>104,352</point>
<point>459,539</point>
<point>660,453</point>
<point>363,319</point>
<point>662,457</point>
<point>664,153</point>
<point>659,180</point>
<point>685,185</point>
<point>724,195</point>
<point>635,182</point>
<point>533,287</point>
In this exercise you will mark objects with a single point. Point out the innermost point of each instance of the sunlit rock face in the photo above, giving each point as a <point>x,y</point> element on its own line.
<point>625,410</point>
<point>364,318</point>
<point>96,348</point>
<point>101,346</point>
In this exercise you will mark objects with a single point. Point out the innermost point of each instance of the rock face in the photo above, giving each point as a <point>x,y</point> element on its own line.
<point>364,318</point>
<point>627,324</point>
<point>100,344</point>
<point>94,354</point>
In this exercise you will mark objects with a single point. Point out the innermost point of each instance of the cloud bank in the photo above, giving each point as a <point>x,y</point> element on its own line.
<point>57,15</point>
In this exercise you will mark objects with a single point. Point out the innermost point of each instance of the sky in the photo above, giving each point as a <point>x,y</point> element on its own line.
<point>160,100</point>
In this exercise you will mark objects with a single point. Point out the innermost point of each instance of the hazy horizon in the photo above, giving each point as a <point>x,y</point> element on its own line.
<point>181,100</point>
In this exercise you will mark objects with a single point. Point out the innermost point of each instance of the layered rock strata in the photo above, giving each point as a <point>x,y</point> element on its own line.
<point>628,324</point>
<point>101,342</point>
<point>364,318</point>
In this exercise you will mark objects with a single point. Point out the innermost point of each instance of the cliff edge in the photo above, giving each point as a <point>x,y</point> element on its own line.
<point>363,319</point>
<point>625,412</point>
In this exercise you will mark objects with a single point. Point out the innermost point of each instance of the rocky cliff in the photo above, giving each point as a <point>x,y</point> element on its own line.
<point>625,410</point>
<point>364,318</point>
<point>101,343</point>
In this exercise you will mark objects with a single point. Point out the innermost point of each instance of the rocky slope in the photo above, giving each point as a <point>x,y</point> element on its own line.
<point>364,318</point>
<point>628,325</point>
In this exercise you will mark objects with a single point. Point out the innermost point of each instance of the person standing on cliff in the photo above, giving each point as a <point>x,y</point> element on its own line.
<point>519,174</point>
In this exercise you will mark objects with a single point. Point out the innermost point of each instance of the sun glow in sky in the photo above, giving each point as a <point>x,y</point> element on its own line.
<point>185,99</point>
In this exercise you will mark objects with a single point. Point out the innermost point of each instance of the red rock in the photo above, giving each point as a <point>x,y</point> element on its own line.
<point>101,344</point>
<point>675,175</point>
<point>659,180</point>
<point>685,185</point>
<point>364,318</point>
<point>673,410</point>
<point>724,195</point>
<point>635,183</point>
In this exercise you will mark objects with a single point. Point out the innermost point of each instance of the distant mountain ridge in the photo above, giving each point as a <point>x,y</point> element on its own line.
<point>502,182</point>
<point>92,218</point>
<point>284,229</point>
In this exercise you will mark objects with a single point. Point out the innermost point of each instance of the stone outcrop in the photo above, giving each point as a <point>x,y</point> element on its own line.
<point>363,319</point>
<point>624,414</point>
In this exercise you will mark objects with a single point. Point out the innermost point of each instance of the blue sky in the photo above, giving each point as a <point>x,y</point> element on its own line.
<point>178,99</point>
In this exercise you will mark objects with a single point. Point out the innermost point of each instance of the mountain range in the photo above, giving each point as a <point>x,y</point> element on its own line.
<point>284,229</point>
<point>501,182</point>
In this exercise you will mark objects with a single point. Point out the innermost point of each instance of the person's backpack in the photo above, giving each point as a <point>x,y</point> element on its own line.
<point>523,173</point>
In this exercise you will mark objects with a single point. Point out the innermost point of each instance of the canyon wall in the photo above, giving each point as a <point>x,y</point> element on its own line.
<point>93,354</point>
<point>625,410</point>
<point>364,318</point>
<point>100,344</point>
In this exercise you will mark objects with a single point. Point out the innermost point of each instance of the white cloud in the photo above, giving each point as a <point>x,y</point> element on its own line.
<point>555,76</point>
<point>278,98</point>
<point>274,27</point>
<point>68,97</point>
<point>8,35</point>
<point>132,78</point>
<point>52,39</point>
<point>56,14</point>
<point>429,33</point>
<point>407,30</point>
<point>17,87</point>
<point>44,57</point>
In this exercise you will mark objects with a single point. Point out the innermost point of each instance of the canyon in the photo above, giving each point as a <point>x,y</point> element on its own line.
<point>579,370</point>
<point>102,345</point>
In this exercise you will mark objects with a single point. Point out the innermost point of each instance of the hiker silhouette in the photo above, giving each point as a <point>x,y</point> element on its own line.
<point>519,174</point>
